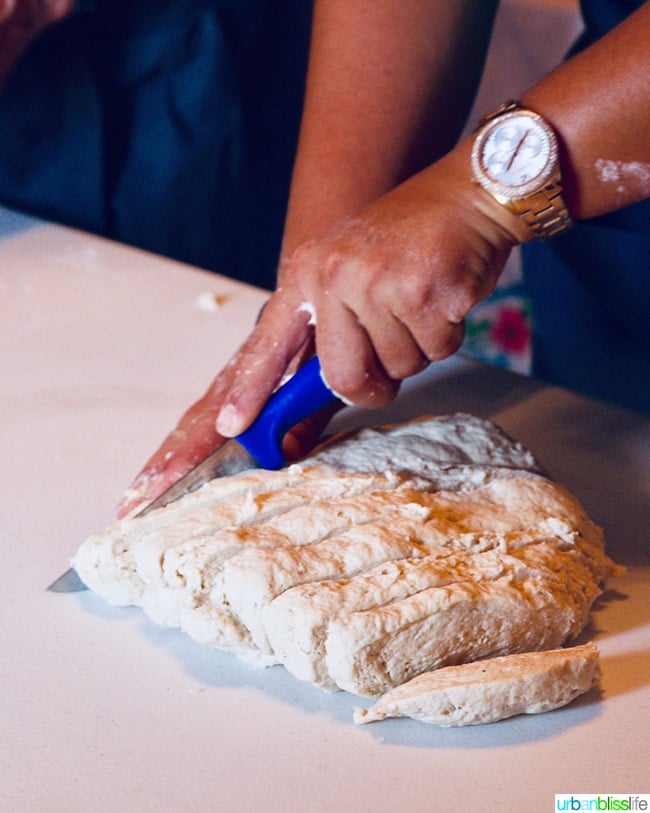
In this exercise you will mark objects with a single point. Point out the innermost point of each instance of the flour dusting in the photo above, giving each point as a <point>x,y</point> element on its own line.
<point>629,176</point>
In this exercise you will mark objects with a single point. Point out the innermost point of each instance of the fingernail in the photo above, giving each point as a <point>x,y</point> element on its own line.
<point>228,421</point>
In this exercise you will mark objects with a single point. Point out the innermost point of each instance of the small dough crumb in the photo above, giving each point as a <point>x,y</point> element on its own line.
<point>210,301</point>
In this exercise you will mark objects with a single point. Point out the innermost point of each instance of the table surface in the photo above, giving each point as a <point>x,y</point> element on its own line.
<point>102,347</point>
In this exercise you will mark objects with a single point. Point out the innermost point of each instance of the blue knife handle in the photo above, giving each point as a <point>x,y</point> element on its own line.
<point>303,395</point>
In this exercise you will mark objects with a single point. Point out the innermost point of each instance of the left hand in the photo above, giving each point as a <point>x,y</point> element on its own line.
<point>195,437</point>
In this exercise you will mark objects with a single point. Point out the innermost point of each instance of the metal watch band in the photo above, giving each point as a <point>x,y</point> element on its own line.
<point>544,211</point>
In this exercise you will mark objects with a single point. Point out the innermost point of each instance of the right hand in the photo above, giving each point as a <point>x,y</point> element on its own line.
<point>21,21</point>
<point>389,291</point>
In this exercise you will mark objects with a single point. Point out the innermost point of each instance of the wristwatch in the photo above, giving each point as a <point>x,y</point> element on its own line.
<point>515,159</point>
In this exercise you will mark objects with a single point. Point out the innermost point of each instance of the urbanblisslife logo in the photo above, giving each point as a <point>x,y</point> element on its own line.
<point>602,801</point>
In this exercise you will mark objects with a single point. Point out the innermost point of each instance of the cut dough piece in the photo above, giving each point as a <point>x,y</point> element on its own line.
<point>105,561</point>
<point>454,452</point>
<point>255,576</point>
<point>179,556</point>
<point>491,690</point>
<point>187,575</point>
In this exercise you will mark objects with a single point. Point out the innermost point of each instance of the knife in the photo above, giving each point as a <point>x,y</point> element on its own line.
<point>259,446</point>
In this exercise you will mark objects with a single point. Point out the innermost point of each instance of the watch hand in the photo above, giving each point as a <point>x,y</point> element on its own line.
<point>516,152</point>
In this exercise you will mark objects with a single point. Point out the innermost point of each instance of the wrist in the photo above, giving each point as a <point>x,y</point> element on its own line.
<point>515,161</point>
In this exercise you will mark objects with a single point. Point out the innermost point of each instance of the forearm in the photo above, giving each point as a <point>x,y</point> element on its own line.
<point>389,87</point>
<point>599,104</point>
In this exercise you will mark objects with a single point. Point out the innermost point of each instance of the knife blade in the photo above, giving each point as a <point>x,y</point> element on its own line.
<point>259,446</point>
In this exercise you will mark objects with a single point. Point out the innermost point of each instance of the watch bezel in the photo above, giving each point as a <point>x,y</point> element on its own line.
<point>505,193</point>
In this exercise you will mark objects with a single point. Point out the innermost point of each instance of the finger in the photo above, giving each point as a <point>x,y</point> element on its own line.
<point>6,9</point>
<point>434,312</point>
<point>350,365</point>
<point>29,17</point>
<point>300,440</point>
<point>437,336</point>
<point>265,358</point>
<point>393,344</point>
<point>187,445</point>
<point>54,10</point>
<point>181,451</point>
<point>195,436</point>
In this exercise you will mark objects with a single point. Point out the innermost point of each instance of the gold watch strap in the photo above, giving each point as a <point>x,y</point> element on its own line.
<point>545,212</point>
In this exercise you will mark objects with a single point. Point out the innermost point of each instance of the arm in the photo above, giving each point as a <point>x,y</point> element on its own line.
<point>21,21</point>
<point>380,72</point>
<point>390,287</point>
<point>599,104</point>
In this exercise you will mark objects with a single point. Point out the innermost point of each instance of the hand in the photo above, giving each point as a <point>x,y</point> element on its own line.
<point>388,291</point>
<point>21,21</point>
<point>195,437</point>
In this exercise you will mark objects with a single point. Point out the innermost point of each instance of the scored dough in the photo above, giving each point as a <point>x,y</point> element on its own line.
<point>388,553</point>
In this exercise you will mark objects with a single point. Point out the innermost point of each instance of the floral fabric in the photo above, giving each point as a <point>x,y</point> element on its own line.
<point>498,330</point>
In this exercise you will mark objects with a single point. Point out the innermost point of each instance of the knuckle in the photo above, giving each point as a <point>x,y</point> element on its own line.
<point>401,367</point>
<point>362,388</point>
<point>418,294</point>
<point>445,342</point>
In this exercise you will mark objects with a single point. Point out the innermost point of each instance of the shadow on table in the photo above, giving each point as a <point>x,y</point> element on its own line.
<point>213,669</point>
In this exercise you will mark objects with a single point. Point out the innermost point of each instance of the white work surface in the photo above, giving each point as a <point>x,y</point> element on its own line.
<point>102,348</point>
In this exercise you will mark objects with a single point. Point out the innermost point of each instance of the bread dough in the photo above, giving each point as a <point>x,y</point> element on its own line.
<point>388,553</point>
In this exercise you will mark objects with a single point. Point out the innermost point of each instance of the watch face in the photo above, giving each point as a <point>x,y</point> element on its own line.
<point>514,155</point>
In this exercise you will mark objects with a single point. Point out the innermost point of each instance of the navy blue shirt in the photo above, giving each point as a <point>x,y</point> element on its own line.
<point>169,124</point>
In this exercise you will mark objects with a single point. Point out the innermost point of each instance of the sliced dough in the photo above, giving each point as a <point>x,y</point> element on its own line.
<point>254,577</point>
<point>456,452</point>
<point>491,690</point>
<point>389,552</point>
<point>121,561</point>
<point>186,576</point>
<point>335,632</point>
<point>505,605</point>
<point>105,561</point>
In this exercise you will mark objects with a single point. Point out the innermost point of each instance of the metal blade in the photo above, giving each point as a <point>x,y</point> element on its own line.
<point>231,458</point>
<point>69,582</point>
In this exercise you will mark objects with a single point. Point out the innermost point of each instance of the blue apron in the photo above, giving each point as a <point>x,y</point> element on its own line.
<point>590,287</point>
<point>171,126</point>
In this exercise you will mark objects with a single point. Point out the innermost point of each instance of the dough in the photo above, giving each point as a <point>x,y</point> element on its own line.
<point>487,691</point>
<point>388,553</point>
